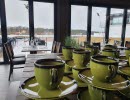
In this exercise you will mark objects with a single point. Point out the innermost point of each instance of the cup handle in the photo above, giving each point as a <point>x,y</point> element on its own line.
<point>84,56</point>
<point>112,72</point>
<point>54,76</point>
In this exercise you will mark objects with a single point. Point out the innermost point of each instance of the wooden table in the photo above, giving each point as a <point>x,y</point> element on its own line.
<point>35,49</point>
<point>28,71</point>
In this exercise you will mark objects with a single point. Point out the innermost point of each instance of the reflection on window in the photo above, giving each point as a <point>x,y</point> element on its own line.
<point>79,22</point>
<point>116,25</point>
<point>44,22</point>
<point>116,20</point>
<point>98,24</point>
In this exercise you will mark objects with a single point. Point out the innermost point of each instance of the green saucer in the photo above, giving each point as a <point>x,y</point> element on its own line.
<point>85,95</point>
<point>118,83</point>
<point>30,87</point>
<point>124,71</point>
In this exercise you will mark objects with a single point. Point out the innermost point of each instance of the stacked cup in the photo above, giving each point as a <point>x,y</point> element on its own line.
<point>103,68</point>
<point>81,58</point>
<point>49,74</point>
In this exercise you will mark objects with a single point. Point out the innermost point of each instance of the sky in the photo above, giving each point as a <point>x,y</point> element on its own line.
<point>17,15</point>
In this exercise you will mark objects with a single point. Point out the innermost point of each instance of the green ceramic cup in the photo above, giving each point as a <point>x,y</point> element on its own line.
<point>67,52</point>
<point>127,52</point>
<point>96,94</point>
<point>111,53</point>
<point>84,94</point>
<point>68,65</point>
<point>103,68</point>
<point>101,94</point>
<point>48,73</point>
<point>75,74</point>
<point>81,57</point>
<point>108,46</point>
<point>90,48</point>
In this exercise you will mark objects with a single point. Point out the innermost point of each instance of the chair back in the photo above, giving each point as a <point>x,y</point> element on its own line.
<point>58,45</point>
<point>127,44</point>
<point>97,44</point>
<point>8,51</point>
<point>53,47</point>
<point>11,48</point>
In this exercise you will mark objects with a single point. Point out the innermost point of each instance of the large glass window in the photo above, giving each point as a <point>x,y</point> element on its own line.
<point>116,25</point>
<point>98,24</point>
<point>44,22</point>
<point>127,35</point>
<point>79,22</point>
<point>17,23</point>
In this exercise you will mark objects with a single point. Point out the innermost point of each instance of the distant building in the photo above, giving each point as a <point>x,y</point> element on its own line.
<point>116,19</point>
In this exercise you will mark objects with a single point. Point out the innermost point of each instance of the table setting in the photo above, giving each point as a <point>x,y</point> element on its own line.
<point>81,73</point>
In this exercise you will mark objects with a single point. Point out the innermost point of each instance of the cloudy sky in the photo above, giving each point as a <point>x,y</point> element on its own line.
<point>17,15</point>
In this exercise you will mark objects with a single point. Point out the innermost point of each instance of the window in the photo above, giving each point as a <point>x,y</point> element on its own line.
<point>127,34</point>
<point>17,23</point>
<point>79,22</point>
<point>98,24</point>
<point>44,22</point>
<point>116,25</point>
<point>1,47</point>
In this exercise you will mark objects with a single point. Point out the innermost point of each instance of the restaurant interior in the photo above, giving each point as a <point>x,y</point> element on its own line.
<point>71,59</point>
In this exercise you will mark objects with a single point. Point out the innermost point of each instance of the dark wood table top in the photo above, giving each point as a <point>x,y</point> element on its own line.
<point>28,72</point>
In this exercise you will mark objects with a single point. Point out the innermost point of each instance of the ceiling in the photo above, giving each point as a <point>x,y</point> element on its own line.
<point>100,3</point>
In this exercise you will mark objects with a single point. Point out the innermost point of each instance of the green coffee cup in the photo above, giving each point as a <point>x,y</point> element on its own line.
<point>75,74</point>
<point>67,52</point>
<point>108,46</point>
<point>127,53</point>
<point>101,94</point>
<point>103,68</point>
<point>81,57</point>
<point>110,53</point>
<point>84,94</point>
<point>48,73</point>
<point>68,65</point>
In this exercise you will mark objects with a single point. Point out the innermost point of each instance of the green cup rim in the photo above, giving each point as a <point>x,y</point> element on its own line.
<point>108,45</point>
<point>110,50</point>
<point>81,51</point>
<point>93,58</point>
<point>67,47</point>
<point>38,65</point>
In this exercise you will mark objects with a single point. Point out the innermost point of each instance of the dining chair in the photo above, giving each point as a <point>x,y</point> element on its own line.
<point>12,52</point>
<point>13,61</point>
<point>127,44</point>
<point>97,44</point>
<point>53,50</point>
<point>58,46</point>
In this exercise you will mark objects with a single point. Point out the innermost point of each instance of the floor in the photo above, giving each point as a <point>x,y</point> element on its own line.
<point>4,70</point>
<point>4,83</point>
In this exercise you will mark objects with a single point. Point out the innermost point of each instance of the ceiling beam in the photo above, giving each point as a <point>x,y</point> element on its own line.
<point>103,3</point>
<point>48,1</point>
